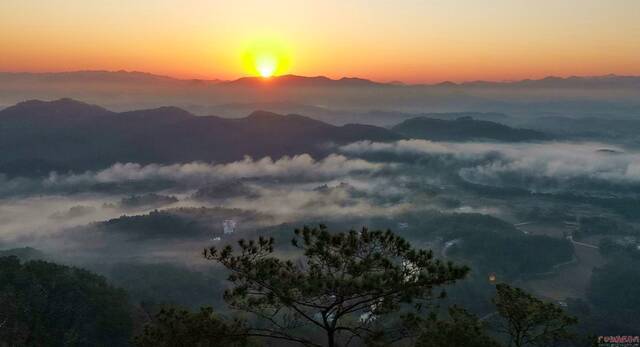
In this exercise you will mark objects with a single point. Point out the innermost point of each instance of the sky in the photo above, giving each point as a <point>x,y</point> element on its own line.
<point>405,40</point>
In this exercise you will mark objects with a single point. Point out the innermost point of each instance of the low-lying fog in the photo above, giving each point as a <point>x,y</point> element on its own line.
<point>174,211</point>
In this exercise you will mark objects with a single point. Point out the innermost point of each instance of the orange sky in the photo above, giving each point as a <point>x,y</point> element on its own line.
<point>407,40</point>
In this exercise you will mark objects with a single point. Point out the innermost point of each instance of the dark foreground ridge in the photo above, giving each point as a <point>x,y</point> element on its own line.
<point>37,137</point>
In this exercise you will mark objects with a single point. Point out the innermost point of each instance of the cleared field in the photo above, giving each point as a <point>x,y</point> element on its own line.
<point>548,229</point>
<point>571,280</point>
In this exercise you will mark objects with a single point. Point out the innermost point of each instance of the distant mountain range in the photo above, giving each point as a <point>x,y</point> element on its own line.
<point>314,81</point>
<point>336,101</point>
<point>37,137</point>
<point>302,81</point>
<point>93,76</point>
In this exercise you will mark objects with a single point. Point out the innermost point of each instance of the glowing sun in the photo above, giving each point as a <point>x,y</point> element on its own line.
<point>266,58</point>
<point>266,65</point>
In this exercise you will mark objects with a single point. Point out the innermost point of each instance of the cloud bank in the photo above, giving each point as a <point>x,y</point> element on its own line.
<point>195,174</point>
<point>303,166</point>
<point>536,166</point>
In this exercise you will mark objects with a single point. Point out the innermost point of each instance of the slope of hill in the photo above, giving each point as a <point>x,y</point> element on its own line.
<point>36,136</point>
<point>61,110</point>
<point>464,129</point>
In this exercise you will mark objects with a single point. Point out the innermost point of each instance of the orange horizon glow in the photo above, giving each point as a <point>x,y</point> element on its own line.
<point>409,41</point>
<point>198,77</point>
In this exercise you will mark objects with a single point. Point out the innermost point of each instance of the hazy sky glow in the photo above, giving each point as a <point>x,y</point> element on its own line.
<point>408,40</point>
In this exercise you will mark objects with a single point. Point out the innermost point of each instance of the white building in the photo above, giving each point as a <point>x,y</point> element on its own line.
<point>229,226</point>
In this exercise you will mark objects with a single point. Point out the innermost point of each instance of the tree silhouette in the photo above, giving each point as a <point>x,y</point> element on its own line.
<point>461,329</point>
<point>342,285</point>
<point>176,327</point>
<point>529,321</point>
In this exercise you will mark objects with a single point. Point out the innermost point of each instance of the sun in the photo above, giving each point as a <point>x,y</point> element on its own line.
<point>266,65</point>
<point>266,58</point>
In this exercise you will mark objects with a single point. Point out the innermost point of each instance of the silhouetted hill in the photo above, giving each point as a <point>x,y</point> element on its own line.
<point>303,81</point>
<point>390,118</point>
<point>604,81</point>
<point>260,134</point>
<point>337,101</point>
<point>88,76</point>
<point>486,116</point>
<point>58,110</point>
<point>167,113</point>
<point>579,82</point>
<point>464,129</point>
<point>23,253</point>
<point>137,77</point>
<point>75,136</point>
<point>602,128</point>
<point>175,223</point>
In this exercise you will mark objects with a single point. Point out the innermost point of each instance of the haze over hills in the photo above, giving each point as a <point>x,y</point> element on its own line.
<point>319,173</point>
<point>91,184</point>
<point>337,101</point>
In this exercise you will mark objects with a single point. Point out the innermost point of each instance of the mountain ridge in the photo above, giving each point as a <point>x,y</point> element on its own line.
<point>320,80</point>
<point>34,134</point>
<point>464,129</point>
<point>90,137</point>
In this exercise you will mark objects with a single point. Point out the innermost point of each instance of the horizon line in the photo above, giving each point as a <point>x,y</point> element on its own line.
<point>246,77</point>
